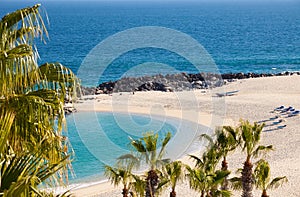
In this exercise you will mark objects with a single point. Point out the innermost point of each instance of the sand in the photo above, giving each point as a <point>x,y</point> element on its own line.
<point>254,101</point>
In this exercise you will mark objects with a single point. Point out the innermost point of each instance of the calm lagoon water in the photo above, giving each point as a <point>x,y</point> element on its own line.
<point>99,138</point>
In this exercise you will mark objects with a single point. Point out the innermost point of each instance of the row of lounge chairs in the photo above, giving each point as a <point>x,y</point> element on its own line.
<point>289,111</point>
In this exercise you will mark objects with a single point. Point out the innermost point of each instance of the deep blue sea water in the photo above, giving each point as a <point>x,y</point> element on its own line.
<point>240,37</point>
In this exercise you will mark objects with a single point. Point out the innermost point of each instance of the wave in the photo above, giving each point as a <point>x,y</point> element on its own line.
<point>74,186</point>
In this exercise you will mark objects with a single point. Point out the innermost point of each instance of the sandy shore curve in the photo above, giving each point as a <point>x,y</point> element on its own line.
<point>255,101</point>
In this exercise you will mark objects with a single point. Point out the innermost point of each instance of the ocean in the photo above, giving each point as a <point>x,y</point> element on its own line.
<point>240,37</point>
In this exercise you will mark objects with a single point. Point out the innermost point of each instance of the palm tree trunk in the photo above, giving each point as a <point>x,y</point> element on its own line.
<point>264,194</point>
<point>152,182</point>
<point>173,193</point>
<point>209,194</point>
<point>247,179</point>
<point>125,192</point>
<point>224,168</point>
<point>202,193</point>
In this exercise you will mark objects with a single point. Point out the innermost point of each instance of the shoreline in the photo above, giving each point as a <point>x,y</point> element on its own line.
<point>256,98</point>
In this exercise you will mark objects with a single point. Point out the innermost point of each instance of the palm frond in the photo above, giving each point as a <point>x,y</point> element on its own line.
<point>277,182</point>
<point>219,176</point>
<point>29,17</point>
<point>56,76</point>
<point>163,183</point>
<point>196,179</point>
<point>150,141</point>
<point>221,193</point>
<point>262,149</point>
<point>262,175</point>
<point>208,138</point>
<point>138,185</point>
<point>198,160</point>
<point>31,110</point>
<point>164,144</point>
<point>21,174</point>
<point>35,118</point>
<point>17,58</point>
<point>51,194</point>
<point>174,172</point>
<point>128,161</point>
<point>6,121</point>
<point>236,183</point>
<point>138,145</point>
<point>113,175</point>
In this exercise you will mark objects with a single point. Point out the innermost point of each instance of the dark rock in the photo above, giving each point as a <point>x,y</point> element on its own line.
<point>106,87</point>
<point>173,82</point>
<point>154,86</point>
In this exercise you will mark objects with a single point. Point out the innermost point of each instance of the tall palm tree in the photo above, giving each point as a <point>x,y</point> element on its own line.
<point>119,175</point>
<point>204,177</point>
<point>35,94</point>
<point>250,144</point>
<point>262,174</point>
<point>206,182</point>
<point>174,172</point>
<point>147,151</point>
<point>31,101</point>
<point>209,160</point>
<point>227,140</point>
<point>138,186</point>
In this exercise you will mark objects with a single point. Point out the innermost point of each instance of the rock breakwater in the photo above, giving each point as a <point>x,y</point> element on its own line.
<point>173,82</point>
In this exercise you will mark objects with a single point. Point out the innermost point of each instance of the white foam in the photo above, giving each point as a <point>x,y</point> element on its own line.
<point>73,186</point>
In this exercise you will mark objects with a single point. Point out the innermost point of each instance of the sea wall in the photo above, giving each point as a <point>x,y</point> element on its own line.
<point>173,82</point>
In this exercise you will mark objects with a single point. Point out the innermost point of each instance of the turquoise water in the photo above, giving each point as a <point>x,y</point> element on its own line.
<point>240,37</point>
<point>100,138</point>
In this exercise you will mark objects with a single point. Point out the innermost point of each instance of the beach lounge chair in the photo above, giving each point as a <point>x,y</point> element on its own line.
<point>287,109</point>
<point>295,113</point>
<point>281,127</point>
<point>279,108</point>
<point>292,110</point>
<point>231,93</point>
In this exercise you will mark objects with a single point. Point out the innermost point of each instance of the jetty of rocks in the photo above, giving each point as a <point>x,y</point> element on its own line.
<point>173,82</point>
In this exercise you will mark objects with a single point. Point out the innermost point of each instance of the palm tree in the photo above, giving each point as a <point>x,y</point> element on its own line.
<point>35,94</point>
<point>250,139</point>
<point>22,173</point>
<point>147,151</point>
<point>262,176</point>
<point>31,105</point>
<point>226,141</point>
<point>204,177</point>
<point>118,175</point>
<point>174,172</point>
<point>207,183</point>
<point>138,186</point>
<point>209,160</point>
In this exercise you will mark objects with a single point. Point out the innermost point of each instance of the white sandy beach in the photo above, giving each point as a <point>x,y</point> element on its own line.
<point>254,101</point>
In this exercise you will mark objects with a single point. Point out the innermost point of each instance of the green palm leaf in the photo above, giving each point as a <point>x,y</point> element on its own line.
<point>262,174</point>
<point>31,108</point>
<point>21,174</point>
<point>30,17</point>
